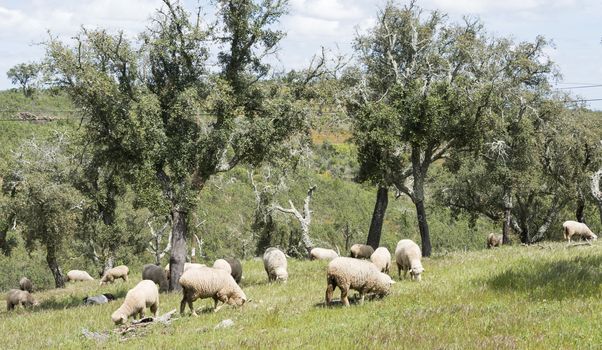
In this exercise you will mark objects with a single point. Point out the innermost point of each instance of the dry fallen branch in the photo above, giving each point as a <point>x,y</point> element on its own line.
<point>143,322</point>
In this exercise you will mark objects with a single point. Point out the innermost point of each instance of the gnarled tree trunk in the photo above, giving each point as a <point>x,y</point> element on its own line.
<point>53,264</point>
<point>507,216</point>
<point>178,248</point>
<point>378,217</point>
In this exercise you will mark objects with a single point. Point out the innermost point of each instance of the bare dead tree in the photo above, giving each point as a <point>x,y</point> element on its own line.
<point>304,218</point>
<point>155,243</point>
<point>596,192</point>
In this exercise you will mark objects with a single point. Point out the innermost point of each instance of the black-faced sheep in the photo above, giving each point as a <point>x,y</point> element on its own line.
<point>16,297</point>
<point>98,299</point>
<point>362,276</point>
<point>381,258</point>
<point>572,228</point>
<point>156,274</point>
<point>144,294</point>
<point>208,282</point>
<point>361,251</point>
<point>408,257</point>
<point>322,254</point>
<point>274,262</point>
<point>120,271</point>
<point>494,240</point>
<point>25,284</point>
<point>78,276</point>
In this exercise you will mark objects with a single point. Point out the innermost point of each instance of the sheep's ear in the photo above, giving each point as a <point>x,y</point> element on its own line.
<point>393,282</point>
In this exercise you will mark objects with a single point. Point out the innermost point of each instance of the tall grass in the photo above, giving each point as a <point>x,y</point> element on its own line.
<point>509,298</point>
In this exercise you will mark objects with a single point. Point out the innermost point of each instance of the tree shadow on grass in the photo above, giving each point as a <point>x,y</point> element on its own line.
<point>61,302</point>
<point>575,278</point>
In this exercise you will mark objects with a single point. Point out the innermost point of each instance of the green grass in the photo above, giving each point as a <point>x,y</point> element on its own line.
<point>509,298</point>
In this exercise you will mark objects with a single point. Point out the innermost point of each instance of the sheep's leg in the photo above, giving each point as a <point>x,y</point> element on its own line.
<point>183,304</point>
<point>329,290</point>
<point>344,298</point>
<point>216,301</point>
<point>125,278</point>
<point>362,297</point>
<point>398,271</point>
<point>154,308</point>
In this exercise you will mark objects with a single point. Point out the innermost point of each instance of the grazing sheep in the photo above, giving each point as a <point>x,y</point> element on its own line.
<point>572,228</point>
<point>19,297</point>
<point>363,276</point>
<point>361,251</point>
<point>78,275</point>
<point>408,256</point>
<point>382,259</point>
<point>120,271</point>
<point>274,262</point>
<point>186,267</point>
<point>208,282</point>
<point>98,299</point>
<point>322,254</point>
<point>155,273</point>
<point>222,265</point>
<point>143,295</point>
<point>236,269</point>
<point>494,240</point>
<point>25,284</point>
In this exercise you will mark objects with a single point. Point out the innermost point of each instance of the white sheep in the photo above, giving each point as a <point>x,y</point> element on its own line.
<point>322,254</point>
<point>222,265</point>
<point>19,297</point>
<point>120,271</point>
<point>25,284</point>
<point>208,282</point>
<point>572,228</point>
<point>362,276</point>
<point>382,259</point>
<point>408,257</point>
<point>361,251</point>
<point>274,262</point>
<point>494,240</point>
<point>144,294</point>
<point>78,275</point>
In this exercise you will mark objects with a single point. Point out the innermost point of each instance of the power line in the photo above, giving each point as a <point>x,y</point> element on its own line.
<point>580,87</point>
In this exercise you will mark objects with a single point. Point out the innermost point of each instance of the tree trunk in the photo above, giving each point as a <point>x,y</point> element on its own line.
<point>507,216</point>
<point>419,171</point>
<point>53,264</point>
<point>580,210</point>
<point>378,217</point>
<point>109,263</point>
<point>424,228</point>
<point>178,249</point>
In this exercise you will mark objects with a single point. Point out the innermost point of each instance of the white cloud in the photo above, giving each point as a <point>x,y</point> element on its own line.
<point>327,9</point>
<point>488,6</point>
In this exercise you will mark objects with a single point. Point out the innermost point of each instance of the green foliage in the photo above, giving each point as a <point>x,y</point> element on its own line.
<point>25,75</point>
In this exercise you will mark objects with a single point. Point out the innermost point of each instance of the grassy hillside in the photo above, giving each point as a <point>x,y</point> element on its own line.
<point>537,297</point>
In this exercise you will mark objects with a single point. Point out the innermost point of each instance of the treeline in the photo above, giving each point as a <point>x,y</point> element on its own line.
<point>457,122</point>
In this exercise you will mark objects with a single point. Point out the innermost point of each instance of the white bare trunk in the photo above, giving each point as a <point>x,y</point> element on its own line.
<point>303,218</point>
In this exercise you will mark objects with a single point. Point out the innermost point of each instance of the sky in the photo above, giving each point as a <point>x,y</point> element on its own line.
<point>574,26</point>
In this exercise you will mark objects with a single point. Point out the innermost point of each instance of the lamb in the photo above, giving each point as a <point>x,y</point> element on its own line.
<point>408,256</point>
<point>25,284</point>
<point>230,265</point>
<point>236,268</point>
<point>361,251</point>
<point>209,282</point>
<point>144,294</point>
<point>120,271</point>
<point>494,240</point>
<point>381,258</point>
<point>572,228</point>
<point>274,262</point>
<point>19,297</point>
<point>78,275</point>
<point>155,273</point>
<point>362,276</point>
<point>98,299</point>
<point>322,254</point>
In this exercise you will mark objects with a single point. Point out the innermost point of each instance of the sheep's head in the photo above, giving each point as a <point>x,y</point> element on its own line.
<point>118,318</point>
<point>281,274</point>
<point>416,272</point>
<point>594,237</point>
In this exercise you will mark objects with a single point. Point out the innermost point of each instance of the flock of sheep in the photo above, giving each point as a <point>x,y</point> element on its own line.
<point>365,271</point>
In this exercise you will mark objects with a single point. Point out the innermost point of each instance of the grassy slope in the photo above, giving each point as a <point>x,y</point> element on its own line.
<point>514,297</point>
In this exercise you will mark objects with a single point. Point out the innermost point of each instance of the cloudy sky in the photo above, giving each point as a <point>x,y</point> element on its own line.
<point>575,26</point>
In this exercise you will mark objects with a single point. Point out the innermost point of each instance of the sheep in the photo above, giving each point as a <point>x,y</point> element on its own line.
<point>209,282</point>
<point>274,262</point>
<point>120,271</point>
<point>186,267</point>
<point>408,256</point>
<point>230,265</point>
<point>382,259</point>
<point>155,273</point>
<point>572,228</point>
<point>144,294</point>
<point>236,268</point>
<point>98,299</point>
<point>25,284</point>
<point>78,275</point>
<point>361,251</point>
<point>494,240</point>
<point>362,276</point>
<point>322,254</point>
<point>16,297</point>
